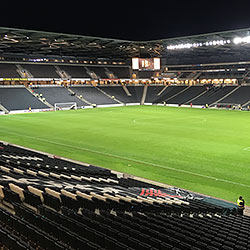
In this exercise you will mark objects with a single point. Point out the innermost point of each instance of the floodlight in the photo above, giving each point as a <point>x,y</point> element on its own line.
<point>237,40</point>
<point>247,39</point>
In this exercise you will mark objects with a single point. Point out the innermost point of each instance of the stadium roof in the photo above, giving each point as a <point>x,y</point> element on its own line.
<point>204,48</point>
<point>30,42</point>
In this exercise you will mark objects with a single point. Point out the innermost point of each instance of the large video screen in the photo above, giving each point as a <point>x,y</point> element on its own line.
<point>146,63</point>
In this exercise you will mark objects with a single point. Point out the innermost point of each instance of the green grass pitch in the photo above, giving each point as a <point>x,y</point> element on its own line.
<point>206,151</point>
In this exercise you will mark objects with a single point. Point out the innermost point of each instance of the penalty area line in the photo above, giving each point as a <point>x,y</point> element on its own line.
<point>131,159</point>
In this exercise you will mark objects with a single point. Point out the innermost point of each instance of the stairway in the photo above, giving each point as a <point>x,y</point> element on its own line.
<point>144,94</point>
<point>113,98</point>
<point>80,98</point>
<point>178,93</point>
<point>224,96</point>
<point>24,73</point>
<point>6,111</point>
<point>40,99</point>
<point>110,74</point>
<point>162,91</point>
<point>62,73</point>
<point>92,74</point>
<point>191,100</point>
<point>126,90</point>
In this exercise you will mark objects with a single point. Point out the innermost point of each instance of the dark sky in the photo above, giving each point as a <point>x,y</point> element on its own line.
<point>130,20</point>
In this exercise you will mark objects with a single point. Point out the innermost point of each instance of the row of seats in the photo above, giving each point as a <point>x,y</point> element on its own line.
<point>106,95</point>
<point>50,203</point>
<point>50,71</point>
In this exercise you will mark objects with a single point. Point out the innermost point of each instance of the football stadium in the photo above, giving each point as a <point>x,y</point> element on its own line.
<point>115,144</point>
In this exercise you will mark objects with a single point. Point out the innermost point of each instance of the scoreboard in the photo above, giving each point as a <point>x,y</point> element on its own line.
<point>146,64</point>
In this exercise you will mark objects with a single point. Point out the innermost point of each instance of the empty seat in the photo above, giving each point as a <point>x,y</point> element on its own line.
<point>70,202</point>
<point>166,246</point>
<point>51,201</point>
<point>31,198</point>
<point>11,196</point>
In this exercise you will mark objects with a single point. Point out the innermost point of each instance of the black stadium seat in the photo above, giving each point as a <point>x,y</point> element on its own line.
<point>51,201</point>
<point>11,196</point>
<point>72,209</point>
<point>32,199</point>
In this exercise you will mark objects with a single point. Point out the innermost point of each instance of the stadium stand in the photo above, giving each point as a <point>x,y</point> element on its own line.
<point>169,92</point>
<point>133,94</point>
<point>99,71</point>
<point>213,94</point>
<point>187,95</point>
<point>41,71</point>
<point>52,203</point>
<point>86,95</point>
<point>120,72</point>
<point>222,74</point>
<point>183,75</point>
<point>136,93</point>
<point>240,96</point>
<point>119,93</point>
<point>145,74</point>
<point>8,70</point>
<point>19,98</point>
<point>75,71</point>
<point>58,94</point>
<point>93,95</point>
<point>154,92</point>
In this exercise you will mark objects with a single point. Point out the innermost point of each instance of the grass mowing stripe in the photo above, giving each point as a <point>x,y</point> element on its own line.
<point>130,159</point>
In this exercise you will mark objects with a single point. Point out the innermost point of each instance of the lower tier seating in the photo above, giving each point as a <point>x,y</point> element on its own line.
<point>50,203</point>
<point>93,95</point>
<point>19,98</point>
<point>58,94</point>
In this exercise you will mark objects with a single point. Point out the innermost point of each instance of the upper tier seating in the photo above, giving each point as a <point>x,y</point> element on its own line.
<point>145,74</point>
<point>58,94</point>
<point>8,71</point>
<point>75,71</point>
<point>99,71</point>
<point>233,74</point>
<point>120,72</point>
<point>41,71</point>
<point>19,98</point>
<point>50,203</point>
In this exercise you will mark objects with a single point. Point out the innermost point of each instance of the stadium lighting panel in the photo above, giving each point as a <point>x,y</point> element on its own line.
<point>199,44</point>
<point>238,40</point>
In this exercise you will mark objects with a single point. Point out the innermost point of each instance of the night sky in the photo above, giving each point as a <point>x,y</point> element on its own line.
<point>129,20</point>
